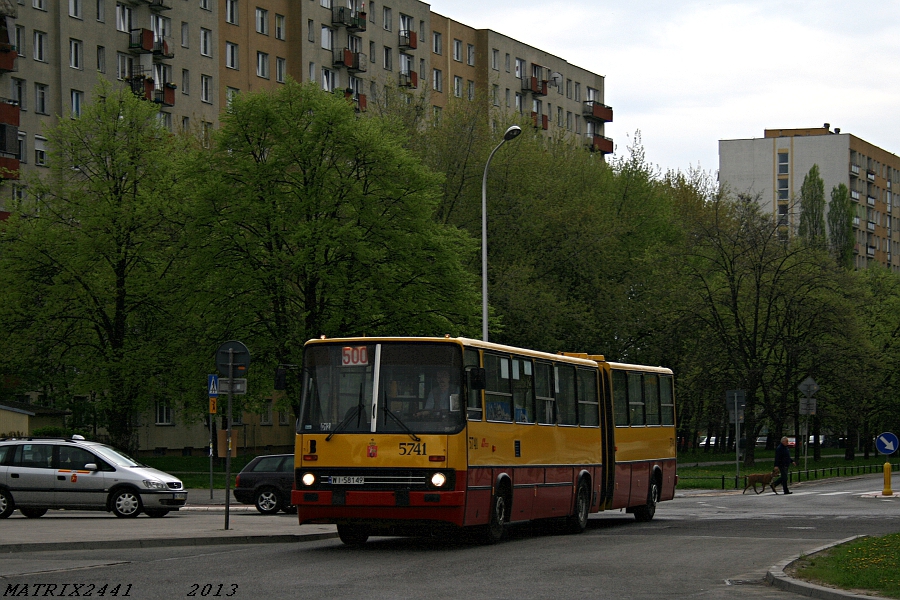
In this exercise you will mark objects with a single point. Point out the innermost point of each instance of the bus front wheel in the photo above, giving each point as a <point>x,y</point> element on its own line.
<point>493,531</point>
<point>645,513</point>
<point>353,535</point>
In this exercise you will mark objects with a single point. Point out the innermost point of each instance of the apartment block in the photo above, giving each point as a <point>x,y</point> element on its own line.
<point>773,167</point>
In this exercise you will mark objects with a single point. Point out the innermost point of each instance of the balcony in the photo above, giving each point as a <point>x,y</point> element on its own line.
<point>9,112</point>
<point>870,250</point>
<point>141,41</point>
<point>409,79</point>
<point>870,226</point>
<point>358,100</point>
<point>856,248</point>
<point>346,17</point>
<point>161,49</point>
<point>355,62</point>
<point>534,85</point>
<point>870,200</point>
<point>408,39</point>
<point>854,195</point>
<point>870,175</point>
<point>8,56</point>
<point>596,110</point>
<point>856,221</point>
<point>9,166</point>
<point>854,170</point>
<point>599,143</point>
<point>540,121</point>
<point>164,94</point>
<point>160,4</point>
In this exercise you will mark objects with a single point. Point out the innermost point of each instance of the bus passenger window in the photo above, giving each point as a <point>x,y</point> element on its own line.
<point>620,397</point>
<point>666,400</point>
<point>635,399</point>
<point>497,395</point>
<point>651,398</point>
<point>588,409</point>
<point>523,390</point>
<point>543,389</point>
<point>565,395</point>
<point>473,401</point>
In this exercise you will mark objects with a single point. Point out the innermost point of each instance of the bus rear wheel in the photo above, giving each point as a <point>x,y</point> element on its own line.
<point>353,535</point>
<point>645,513</point>
<point>577,523</point>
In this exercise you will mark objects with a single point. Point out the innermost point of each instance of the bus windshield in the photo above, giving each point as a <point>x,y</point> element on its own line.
<point>406,387</point>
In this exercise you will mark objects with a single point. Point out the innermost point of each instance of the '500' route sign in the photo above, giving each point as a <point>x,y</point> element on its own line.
<point>354,356</point>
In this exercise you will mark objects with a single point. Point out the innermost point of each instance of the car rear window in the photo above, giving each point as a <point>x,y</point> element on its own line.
<point>269,464</point>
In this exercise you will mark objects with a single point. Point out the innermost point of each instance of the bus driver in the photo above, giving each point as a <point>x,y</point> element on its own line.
<point>440,398</point>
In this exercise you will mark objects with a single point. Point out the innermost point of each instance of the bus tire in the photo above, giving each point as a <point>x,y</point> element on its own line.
<point>645,513</point>
<point>577,522</point>
<point>493,531</point>
<point>353,535</point>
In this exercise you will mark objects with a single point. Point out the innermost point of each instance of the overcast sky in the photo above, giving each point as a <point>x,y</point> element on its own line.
<point>686,74</point>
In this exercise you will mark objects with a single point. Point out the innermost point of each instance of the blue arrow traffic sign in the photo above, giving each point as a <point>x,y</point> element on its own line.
<point>213,385</point>
<point>887,443</point>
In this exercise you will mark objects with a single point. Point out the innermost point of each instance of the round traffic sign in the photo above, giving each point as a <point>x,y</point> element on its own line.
<point>238,357</point>
<point>886,443</point>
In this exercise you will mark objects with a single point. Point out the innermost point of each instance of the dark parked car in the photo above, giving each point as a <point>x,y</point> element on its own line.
<point>266,482</point>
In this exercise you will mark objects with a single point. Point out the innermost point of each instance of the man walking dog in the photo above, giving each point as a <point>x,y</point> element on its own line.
<point>783,462</point>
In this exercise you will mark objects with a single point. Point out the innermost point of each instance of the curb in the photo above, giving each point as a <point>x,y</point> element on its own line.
<point>167,542</point>
<point>776,577</point>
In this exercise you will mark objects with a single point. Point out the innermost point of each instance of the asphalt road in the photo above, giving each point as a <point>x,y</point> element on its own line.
<point>700,545</point>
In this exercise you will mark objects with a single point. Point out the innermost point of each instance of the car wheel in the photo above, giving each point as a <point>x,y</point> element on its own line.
<point>268,502</point>
<point>125,503</point>
<point>7,506</point>
<point>645,513</point>
<point>353,535</point>
<point>33,513</point>
<point>156,512</point>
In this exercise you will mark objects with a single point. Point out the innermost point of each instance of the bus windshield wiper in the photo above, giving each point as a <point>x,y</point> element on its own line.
<point>402,425</point>
<point>358,414</point>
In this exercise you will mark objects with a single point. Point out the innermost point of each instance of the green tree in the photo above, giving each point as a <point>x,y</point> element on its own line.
<point>812,208</point>
<point>840,226</point>
<point>323,224</point>
<point>88,264</point>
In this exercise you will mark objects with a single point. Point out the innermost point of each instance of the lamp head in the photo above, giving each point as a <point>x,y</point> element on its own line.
<point>511,133</point>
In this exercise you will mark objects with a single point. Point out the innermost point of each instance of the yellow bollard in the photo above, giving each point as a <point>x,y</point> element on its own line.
<point>887,480</point>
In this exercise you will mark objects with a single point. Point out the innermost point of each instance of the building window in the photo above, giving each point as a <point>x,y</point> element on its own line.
<point>280,31</point>
<point>262,65</point>
<point>388,59</point>
<point>265,417</point>
<point>470,55</point>
<point>230,94</point>
<point>206,88</point>
<point>123,17</point>
<point>185,35</point>
<point>329,80</point>
<point>39,4</point>
<point>436,45</point>
<point>782,163</point>
<point>495,59</point>
<point>507,98</point>
<point>123,65</point>
<point>23,147</point>
<point>101,11</point>
<point>327,38</point>
<point>231,11</point>
<point>520,68</point>
<point>783,189</point>
<point>20,40</point>
<point>470,90</point>
<point>40,46</point>
<point>283,418</point>
<point>204,4</point>
<point>262,21</point>
<point>438,83</point>
<point>185,82</point>
<point>40,151</point>
<point>75,9</point>
<point>75,53</point>
<point>280,69</point>
<point>41,92</point>
<point>386,12</point>
<point>101,59</point>
<point>205,42</point>
<point>231,55</point>
<point>495,94</point>
<point>507,63</point>
<point>457,50</point>
<point>577,92</point>
<point>325,3</point>
<point>569,121</point>
<point>18,92</point>
<point>163,412</point>
<point>518,105</point>
<point>311,30</point>
<point>457,86</point>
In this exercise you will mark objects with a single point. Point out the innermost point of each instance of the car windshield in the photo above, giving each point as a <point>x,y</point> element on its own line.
<point>115,457</point>
<point>407,388</point>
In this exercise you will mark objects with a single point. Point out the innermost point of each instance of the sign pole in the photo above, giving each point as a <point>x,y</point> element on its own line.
<point>212,385</point>
<point>228,437</point>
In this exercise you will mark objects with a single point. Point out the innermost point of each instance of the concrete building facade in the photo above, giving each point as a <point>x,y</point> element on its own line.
<point>773,167</point>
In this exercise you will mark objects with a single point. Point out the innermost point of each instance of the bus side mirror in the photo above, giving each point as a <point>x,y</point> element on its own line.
<point>477,379</point>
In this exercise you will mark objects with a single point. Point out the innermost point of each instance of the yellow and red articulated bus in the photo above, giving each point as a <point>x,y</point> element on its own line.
<point>401,436</point>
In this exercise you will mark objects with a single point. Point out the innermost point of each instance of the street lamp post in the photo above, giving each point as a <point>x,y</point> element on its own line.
<point>510,134</point>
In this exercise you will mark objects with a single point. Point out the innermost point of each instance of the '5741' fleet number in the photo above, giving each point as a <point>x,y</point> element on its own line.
<point>410,448</point>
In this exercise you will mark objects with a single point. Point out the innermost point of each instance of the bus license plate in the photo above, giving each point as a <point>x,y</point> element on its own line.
<point>347,480</point>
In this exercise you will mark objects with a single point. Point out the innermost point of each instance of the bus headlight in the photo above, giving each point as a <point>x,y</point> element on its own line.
<point>438,479</point>
<point>308,479</point>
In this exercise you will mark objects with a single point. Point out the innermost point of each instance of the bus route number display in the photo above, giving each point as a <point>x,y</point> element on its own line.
<point>354,356</point>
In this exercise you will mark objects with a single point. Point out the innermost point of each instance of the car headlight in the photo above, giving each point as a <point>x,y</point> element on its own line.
<point>438,479</point>
<point>308,479</point>
<point>155,485</point>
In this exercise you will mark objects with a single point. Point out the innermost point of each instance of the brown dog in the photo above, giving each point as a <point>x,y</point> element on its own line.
<point>764,478</point>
